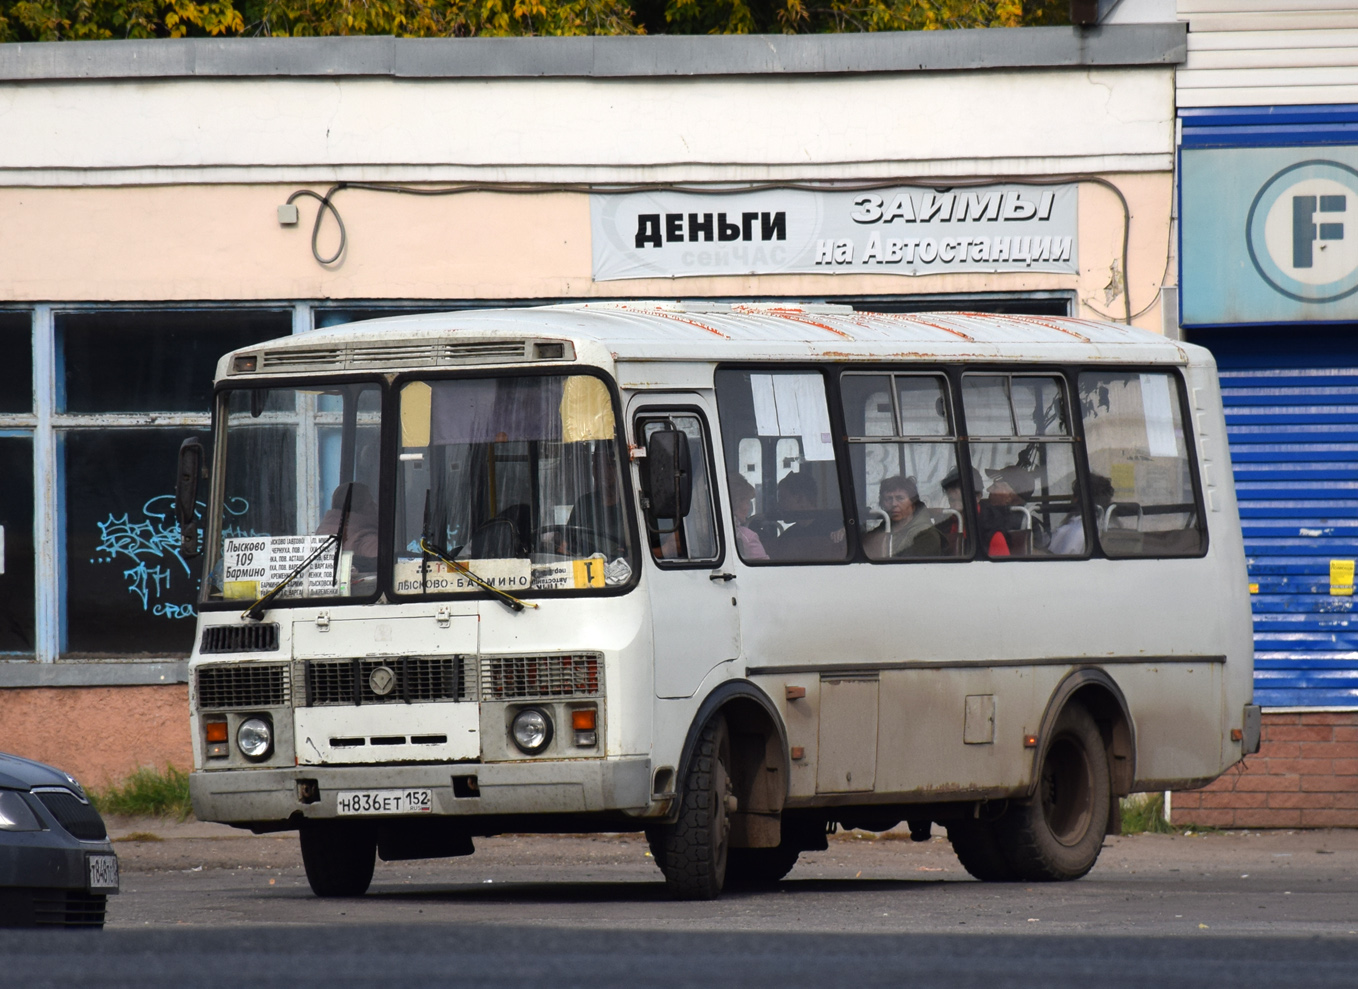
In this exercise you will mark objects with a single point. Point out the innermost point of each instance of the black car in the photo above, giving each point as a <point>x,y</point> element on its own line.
<point>57,865</point>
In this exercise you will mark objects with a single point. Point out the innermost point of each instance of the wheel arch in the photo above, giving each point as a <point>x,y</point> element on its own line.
<point>1098,693</point>
<point>759,754</point>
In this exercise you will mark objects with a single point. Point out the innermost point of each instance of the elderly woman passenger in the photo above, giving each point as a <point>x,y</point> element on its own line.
<point>910,531</point>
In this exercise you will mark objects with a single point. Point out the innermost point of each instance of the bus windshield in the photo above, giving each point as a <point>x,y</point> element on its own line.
<point>511,481</point>
<point>302,463</point>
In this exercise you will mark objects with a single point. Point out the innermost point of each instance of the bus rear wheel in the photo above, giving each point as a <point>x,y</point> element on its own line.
<point>339,856</point>
<point>1057,834</point>
<point>977,847</point>
<point>692,852</point>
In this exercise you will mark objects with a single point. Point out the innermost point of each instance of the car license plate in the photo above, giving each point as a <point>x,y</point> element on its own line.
<point>385,802</point>
<point>103,871</point>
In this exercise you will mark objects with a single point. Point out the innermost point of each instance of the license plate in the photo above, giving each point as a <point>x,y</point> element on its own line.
<point>103,871</point>
<point>385,802</point>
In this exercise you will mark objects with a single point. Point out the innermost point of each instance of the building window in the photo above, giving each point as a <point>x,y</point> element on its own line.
<point>131,386</point>
<point>16,545</point>
<point>16,361</point>
<point>157,361</point>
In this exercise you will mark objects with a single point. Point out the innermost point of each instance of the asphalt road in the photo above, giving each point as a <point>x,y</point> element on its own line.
<point>209,905</point>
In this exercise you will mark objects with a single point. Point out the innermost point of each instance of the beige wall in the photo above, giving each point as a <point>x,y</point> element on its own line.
<point>204,242</point>
<point>98,734</point>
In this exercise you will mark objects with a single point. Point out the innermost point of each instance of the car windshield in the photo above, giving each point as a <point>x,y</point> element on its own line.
<point>515,482</point>
<point>302,464</point>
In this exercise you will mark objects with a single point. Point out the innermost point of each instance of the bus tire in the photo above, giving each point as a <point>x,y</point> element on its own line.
<point>339,856</point>
<point>1057,834</point>
<point>978,849</point>
<point>693,851</point>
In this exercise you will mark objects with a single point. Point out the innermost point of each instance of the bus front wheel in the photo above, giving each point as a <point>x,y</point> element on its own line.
<point>339,856</point>
<point>1058,832</point>
<point>692,851</point>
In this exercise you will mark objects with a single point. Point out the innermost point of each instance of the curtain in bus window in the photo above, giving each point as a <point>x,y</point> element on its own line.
<point>794,405</point>
<point>776,433</point>
<point>1023,456</point>
<point>488,410</point>
<point>1140,475</point>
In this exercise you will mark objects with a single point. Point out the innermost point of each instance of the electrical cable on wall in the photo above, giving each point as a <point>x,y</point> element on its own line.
<point>327,205</point>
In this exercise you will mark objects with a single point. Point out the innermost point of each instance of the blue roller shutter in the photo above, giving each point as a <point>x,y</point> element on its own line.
<point>1291,398</point>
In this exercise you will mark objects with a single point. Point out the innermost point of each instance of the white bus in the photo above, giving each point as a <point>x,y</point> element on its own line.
<point>731,575</point>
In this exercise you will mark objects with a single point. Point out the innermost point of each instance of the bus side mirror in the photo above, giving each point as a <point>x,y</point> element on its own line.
<point>186,495</point>
<point>669,474</point>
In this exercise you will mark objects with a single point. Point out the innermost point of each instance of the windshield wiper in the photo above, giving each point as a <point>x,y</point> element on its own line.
<point>256,611</point>
<point>507,599</point>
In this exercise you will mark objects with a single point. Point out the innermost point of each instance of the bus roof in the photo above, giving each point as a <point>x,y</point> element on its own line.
<point>670,331</point>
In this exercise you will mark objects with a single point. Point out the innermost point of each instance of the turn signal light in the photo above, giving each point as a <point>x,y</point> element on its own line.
<point>585,722</point>
<point>215,732</point>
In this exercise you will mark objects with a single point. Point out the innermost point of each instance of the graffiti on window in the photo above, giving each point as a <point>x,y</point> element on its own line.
<point>157,574</point>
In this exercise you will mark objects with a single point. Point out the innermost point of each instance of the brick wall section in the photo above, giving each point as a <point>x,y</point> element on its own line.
<point>1305,776</point>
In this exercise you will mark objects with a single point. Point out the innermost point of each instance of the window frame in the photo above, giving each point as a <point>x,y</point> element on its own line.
<point>391,412</point>
<point>830,380</point>
<point>654,412</point>
<point>1189,422</point>
<point>952,396</point>
<point>1073,438</point>
<point>217,481</point>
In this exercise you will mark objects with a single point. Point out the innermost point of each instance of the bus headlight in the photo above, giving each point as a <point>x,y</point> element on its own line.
<point>255,738</point>
<point>531,730</point>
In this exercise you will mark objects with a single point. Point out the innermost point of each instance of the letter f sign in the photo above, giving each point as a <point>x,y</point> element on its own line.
<point>1304,229</point>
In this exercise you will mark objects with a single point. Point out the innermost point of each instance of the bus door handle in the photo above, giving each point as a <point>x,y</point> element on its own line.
<point>721,575</point>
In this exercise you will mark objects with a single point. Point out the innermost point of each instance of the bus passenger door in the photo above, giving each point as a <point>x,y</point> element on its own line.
<point>694,618</point>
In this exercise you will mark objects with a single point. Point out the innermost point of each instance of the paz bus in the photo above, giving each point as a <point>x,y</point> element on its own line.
<point>729,575</point>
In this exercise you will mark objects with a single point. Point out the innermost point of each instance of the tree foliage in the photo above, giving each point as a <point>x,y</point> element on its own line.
<point>83,20</point>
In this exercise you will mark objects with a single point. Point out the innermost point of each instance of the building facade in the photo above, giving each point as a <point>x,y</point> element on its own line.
<point>159,205</point>
<point>1268,196</point>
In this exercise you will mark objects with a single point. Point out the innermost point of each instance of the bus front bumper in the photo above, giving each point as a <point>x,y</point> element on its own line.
<point>576,786</point>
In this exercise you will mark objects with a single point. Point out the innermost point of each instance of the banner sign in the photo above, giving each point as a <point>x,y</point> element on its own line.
<point>1266,236</point>
<point>904,230</point>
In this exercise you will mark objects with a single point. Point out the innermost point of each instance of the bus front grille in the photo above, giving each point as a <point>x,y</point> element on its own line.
<point>226,686</point>
<point>506,678</point>
<point>262,637</point>
<point>408,679</point>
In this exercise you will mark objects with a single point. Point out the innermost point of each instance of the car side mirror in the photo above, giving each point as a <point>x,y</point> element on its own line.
<point>191,461</point>
<point>669,474</point>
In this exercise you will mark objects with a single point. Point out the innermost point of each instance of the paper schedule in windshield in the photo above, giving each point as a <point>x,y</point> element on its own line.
<point>254,565</point>
<point>511,575</point>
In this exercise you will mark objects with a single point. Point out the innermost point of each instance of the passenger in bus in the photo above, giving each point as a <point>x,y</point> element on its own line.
<point>950,525</point>
<point>1069,537</point>
<point>360,528</point>
<point>911,530</point>
<point>1001,513</point>
<point>807,538</point>
<point>749,544</point>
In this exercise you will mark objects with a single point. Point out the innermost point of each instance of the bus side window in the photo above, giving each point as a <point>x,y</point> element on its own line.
<point>1023,450</point>
<point>1140,475</point>
<point>903,452</point>
<point>775,429</point>
<point>693,538</point>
